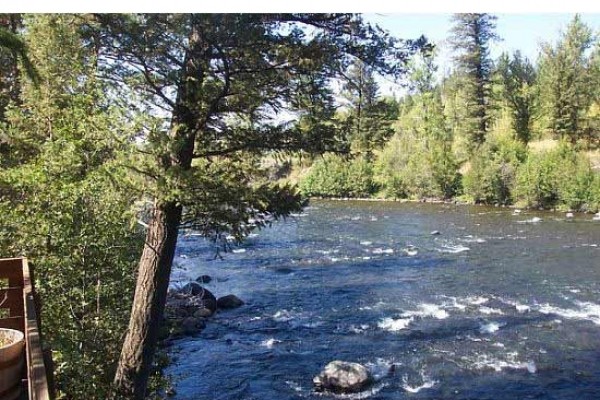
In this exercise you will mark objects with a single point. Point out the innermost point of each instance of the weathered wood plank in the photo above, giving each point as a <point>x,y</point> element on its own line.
<point>24,317</point>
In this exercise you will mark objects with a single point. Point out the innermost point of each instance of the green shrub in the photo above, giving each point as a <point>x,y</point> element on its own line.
<point>413,167</point>
<point>335,176</point>
<point>559,178</point>
<point>491,179</point>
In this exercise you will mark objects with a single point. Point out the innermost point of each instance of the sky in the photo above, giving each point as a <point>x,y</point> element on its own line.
<point>518,31</point>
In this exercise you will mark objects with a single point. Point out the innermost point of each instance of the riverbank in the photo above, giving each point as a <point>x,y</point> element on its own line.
<point>451,201</point>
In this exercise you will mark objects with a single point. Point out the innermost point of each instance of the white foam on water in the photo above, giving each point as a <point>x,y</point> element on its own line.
<point>380,368</point>
<point>522,308</point>
<point>533,220</point>
<point>366,243</point>
<point>585,311</point>
<point>410,252</point>
<point>510,361</point>
<point>490,327</point>
<point>428,310</point>
<point>238,251</point>
<point>285,315</point>
<point>473,239</point>
<point>358,329</point>
<point>489,310</point>
<point>330,251</point>
<point>296,387</point>
<point>373,218</point>
<point>462,303</point>
<point>394,325</point>
<point>379,250</point>
<point>428,383</point>
<point>355,396</point>
<point>453,249</point>
<point>476,300</point>
<point>366,258</point>
<point>297,215</point>
<point>269,343</point>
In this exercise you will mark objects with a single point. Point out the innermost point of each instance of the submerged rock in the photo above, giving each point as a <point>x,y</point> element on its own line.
<point>192,325</point>
<point>204,279</point>
<point>343,377</point>
<point>228,302</point>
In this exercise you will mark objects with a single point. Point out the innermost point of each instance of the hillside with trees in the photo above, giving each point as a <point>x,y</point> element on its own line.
<point>502,131</point>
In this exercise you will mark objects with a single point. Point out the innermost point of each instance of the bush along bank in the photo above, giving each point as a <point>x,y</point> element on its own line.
<point>501,172</point>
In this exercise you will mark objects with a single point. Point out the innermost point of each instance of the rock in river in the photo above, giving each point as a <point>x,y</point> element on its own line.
<point>228,302</point>
<point>194,296</point>
<point>204,279</point>
<point>192,325</point>
<point>343,377</point>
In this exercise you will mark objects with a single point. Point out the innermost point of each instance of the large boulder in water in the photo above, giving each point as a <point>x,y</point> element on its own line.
<point>228,302</point>
<point>343,377</point>
<point>197,296</point>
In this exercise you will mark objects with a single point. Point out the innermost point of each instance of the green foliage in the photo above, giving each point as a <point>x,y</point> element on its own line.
<point>66,203</point>
<point>471,36</point>
<point>491,177</point>
<point>565,79</point>
<point>558,178</point>
<point>335,176</point>
<point>369,119</point>
<point>517,77</point>
<point>410,167</point>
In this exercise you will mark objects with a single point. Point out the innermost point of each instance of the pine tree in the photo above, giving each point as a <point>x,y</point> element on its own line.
<point>222,80</point>
<point>471,37</point>
<point>369,117</point>
<point>566,73</point>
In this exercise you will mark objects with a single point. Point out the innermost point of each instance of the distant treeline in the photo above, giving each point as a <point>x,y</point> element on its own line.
<point>502,131</point>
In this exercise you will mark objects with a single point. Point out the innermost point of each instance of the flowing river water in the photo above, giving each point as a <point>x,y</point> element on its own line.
<point>499,305</point>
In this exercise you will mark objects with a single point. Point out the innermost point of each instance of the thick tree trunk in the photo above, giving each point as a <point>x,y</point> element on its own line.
<point>150,296</point>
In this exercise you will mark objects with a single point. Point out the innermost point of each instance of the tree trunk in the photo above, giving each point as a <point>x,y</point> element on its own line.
<point>150,296</point>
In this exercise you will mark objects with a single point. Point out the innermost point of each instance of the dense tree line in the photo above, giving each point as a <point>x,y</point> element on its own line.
<point>504,131</point>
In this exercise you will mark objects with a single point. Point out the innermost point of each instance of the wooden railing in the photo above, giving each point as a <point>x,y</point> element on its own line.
<point>18,311</point>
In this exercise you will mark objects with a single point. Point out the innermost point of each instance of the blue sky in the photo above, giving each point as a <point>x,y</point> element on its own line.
<point>522,32</point>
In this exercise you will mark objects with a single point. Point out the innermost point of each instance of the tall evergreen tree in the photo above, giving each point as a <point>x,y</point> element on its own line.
<point>222,79</point>
<point>471,37</point>
<point>566,74</point>
<point>517,77</point>
<point>370,117</point>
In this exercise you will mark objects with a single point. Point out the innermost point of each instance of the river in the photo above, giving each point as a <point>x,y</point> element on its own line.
<point>498,305</point>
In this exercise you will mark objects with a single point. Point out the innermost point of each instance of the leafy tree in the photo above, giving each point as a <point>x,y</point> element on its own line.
<point>492,174</point>
<point>66,202</point>
<point>471,37</point>
<point>518,76</point>
<point>221,79</point>
<point>566,74</point>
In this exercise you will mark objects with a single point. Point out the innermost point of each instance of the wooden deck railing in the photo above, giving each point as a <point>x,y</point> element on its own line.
<point>19,312</point>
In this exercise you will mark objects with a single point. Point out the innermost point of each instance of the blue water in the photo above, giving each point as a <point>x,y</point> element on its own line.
<point>495,307</point>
